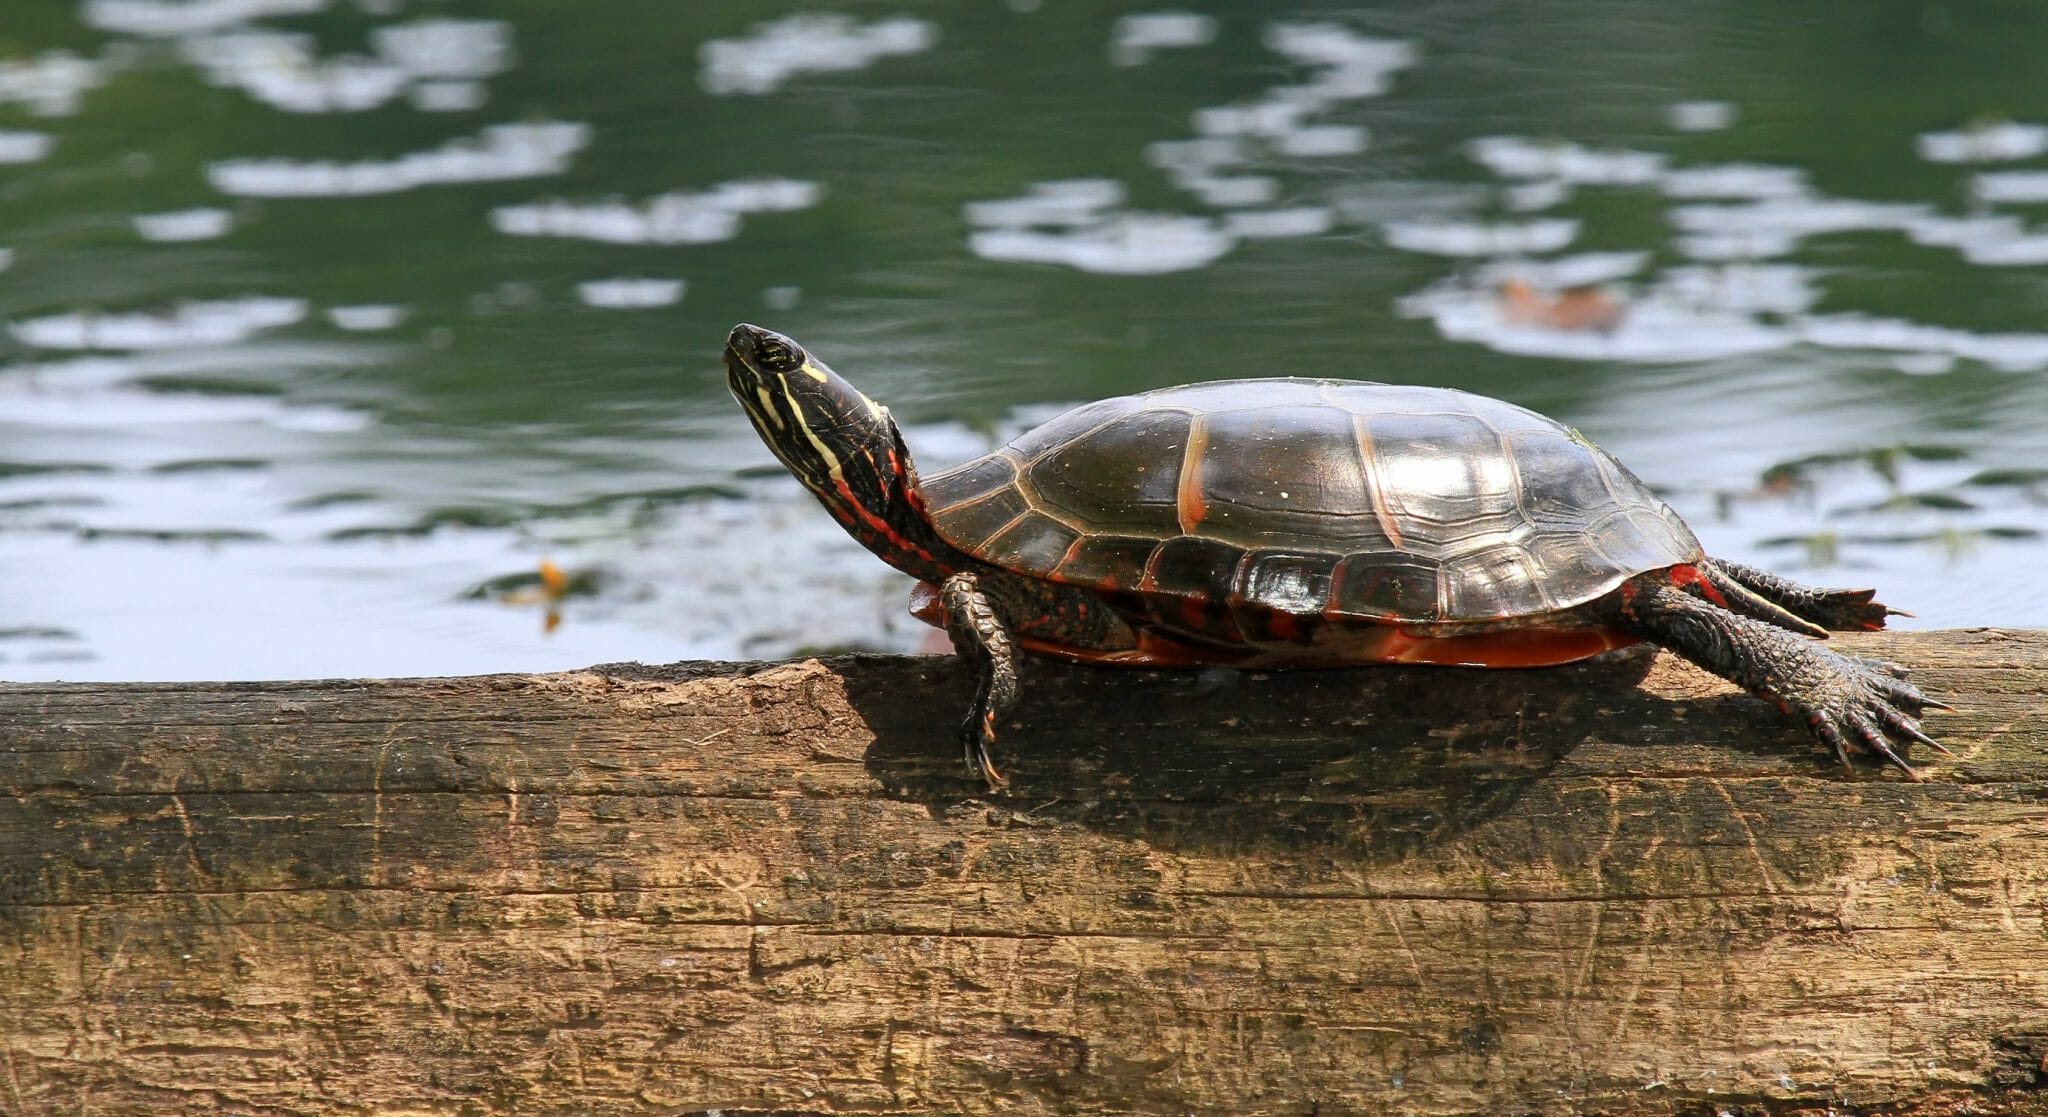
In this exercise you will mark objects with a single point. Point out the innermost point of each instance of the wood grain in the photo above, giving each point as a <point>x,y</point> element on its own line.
<point>1617,887</point>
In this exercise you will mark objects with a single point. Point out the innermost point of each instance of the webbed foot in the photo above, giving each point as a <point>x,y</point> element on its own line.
<point>1837,610</point>
<point>1853,704</point>
<point>1865,705</point>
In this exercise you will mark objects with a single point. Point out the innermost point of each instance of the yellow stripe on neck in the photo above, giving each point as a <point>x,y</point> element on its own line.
<point>818,444</point>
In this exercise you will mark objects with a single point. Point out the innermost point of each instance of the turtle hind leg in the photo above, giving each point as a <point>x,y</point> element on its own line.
<point>1848,702</point>
<point>981,637</point>
<point>1834,609</point>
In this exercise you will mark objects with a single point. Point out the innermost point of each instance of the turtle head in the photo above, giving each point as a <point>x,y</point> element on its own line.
<point>842,445</point>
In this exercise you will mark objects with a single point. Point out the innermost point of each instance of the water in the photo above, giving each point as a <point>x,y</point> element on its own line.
<point>329,322</point>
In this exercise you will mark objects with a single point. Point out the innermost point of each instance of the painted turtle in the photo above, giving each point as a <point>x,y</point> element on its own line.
<point>1307,523</point>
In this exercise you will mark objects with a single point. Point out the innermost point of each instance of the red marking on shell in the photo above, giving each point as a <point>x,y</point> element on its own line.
<point>1073,551</point>
<point>1189,502</point>
<point>1284,626</point>
<point>1389,526</point>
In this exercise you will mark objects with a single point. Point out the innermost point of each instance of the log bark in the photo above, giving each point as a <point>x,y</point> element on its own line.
<point>1617,887</point>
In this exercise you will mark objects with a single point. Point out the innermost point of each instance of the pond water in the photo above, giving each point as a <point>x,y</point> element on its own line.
<point>330,322</point>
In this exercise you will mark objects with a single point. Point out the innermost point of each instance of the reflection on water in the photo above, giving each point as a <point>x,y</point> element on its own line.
<point>677,217</point>
<point>1133,39</point>
<point>501,151</point>
<point>216,322</point>
<point>437,63</point>
<point>269,406</point>
<point>204,223</point>
<point>630,293</point>
<point>25,147</point>
<point>1991,142</point>
<point>774,53</point>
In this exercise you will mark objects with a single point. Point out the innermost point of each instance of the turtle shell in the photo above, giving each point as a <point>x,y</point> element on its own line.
<point>1335,499</point>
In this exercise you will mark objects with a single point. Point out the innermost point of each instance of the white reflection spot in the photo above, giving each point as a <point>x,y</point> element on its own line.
<point>51,83</point>
<point>216,322</point>
<point>628,293</point>
<point>1701,116</point>
<point>24,147</point>
<point>773,53</point>
<point>1476,238</point>
<point>368,316</point>
<point>677,217</point>
<point>169,18</point>
<point>183,225</point>
<point>500,152</point>
<point>2000,142</point>
<point>1133,38</point>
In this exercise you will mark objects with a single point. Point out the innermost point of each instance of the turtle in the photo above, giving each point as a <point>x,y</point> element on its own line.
<point>1288,522</point>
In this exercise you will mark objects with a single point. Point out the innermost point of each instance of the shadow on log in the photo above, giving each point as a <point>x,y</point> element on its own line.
<point>1617,887</point>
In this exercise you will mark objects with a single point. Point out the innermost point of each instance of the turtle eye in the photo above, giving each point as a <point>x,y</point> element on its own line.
<point>765,350</point>
<point>774,355</point>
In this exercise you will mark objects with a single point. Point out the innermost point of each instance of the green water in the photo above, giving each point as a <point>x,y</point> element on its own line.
<point>197,486</point>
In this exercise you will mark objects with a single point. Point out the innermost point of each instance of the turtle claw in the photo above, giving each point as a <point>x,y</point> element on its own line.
<point>1869,706</point>
<point>1849,610</point>
<point>1851,703</point>
<point>1905,726</point>
<point>1874,739</point>
<point>977,736</point>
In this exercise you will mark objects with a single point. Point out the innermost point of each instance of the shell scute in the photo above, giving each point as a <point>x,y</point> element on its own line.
<point>1444,478</point>
<point>1124,475</point>
<point>1106,561</point>
<point>1192,566</point>
<point>1273,475</point>
<point>1036,540</point>
<point>1387,585</point>
<point>1567,479</point>
<point>1338,499</point>
<point>972,524</point>
<point>1298,584</point>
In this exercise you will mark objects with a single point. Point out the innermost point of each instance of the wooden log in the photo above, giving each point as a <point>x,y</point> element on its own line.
<point>1617,887</point>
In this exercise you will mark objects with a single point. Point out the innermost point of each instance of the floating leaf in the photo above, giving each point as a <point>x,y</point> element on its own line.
<point>167,535</point>
<point>1883,460</point>
<point>1905,502</point>
<point>208,386</point>
<point>2007,478</point>
<point>39,469</point>
<point>329,500</point>
<point>209,465</point>
<point>34,632</point>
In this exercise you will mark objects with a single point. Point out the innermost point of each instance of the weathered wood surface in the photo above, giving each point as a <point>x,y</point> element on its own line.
<point>749,887</point>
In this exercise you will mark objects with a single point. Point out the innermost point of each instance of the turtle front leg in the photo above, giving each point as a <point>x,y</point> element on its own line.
<point>1847,701</point>
<point>982,638</point>
<point>1832,609</point>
